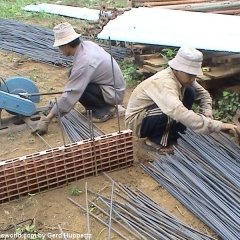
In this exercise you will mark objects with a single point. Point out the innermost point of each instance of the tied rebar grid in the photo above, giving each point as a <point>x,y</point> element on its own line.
<point>134,215</point>
<point>204,175</point>
<point>36,43</point>
<point>56,167</point>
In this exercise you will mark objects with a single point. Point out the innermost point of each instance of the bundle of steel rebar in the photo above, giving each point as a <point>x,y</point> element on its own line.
<point>77,127</point>
<point>31,41</point>
<point>36,43</point>
<point>204,175</point>
<point>138,216</point>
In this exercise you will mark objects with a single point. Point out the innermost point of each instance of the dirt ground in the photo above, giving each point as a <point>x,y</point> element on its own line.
<point>51,208</point>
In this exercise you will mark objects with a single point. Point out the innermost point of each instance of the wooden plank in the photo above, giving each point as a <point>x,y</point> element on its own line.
<point>223,71</point>
<point>201,78</point>
<point>211,54</point>
<point>226,59</point>
<point>152,69</point>
<point>148,56</point>
<point>214,83</point>
<point>142,71</point>
<point>155,62</point>
<point>142,46</point>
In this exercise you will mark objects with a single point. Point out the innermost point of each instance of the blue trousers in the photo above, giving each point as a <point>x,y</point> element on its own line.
<point>160,129</point>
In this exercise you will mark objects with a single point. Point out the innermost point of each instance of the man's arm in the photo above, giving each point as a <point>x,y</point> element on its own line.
<point>204,98</point>
<point>167,98</point>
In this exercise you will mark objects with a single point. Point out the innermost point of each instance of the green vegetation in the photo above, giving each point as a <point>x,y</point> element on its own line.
<point>132,78</point>
<point>30,232</point>
<point>75,191</point>
<point>225,107</point>
<point>11,138</point>
<point>13,9</point>
<point>168,54</point>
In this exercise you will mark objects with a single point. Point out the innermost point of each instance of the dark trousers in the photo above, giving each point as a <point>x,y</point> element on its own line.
<point>155,127</point>
<point>92,99</point>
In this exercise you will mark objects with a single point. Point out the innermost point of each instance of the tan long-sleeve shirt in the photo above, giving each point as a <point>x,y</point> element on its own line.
<point>165,90</point>
<point>91,64</point>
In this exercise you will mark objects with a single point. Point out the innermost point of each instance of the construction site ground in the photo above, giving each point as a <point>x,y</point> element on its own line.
<point>48,209</point>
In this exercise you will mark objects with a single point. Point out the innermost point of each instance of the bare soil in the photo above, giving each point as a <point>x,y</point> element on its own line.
<point>51,208</point>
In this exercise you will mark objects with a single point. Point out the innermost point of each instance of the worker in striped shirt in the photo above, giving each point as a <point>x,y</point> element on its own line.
<point>159,108</point>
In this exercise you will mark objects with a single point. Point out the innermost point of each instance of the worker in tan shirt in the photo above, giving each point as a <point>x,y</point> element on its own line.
<point>160,107</point>
<point>95,79</point>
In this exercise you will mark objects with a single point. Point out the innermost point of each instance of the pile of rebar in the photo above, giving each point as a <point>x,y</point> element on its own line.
<point>31,41</point>
<point>36,42</point>
<point>77,127</point>
<point>204,175</point>
<point>137,215</point>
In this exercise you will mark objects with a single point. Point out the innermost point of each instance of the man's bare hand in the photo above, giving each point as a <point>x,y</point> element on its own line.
<point>233,129</point>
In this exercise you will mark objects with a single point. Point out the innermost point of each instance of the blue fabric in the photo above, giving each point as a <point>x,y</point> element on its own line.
<point>153,127</point>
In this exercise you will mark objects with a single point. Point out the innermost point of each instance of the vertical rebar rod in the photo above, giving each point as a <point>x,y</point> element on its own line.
<point>60,122</point>
<point>62,233</point>
<point>114,81</point>
<point>90,121</point>
<point>110,213</point>
<point>87,209</point>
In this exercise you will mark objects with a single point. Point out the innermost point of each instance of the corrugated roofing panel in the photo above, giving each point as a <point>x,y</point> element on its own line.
<point>69,11</point>
<point>175,28</point>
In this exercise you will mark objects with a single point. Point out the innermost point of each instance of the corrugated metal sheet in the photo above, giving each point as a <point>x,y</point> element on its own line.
<point>175,28</point>
<point>69,11</point>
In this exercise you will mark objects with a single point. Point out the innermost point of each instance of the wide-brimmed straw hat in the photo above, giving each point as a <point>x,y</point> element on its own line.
<point>64,33</point>
<point>188,60</point>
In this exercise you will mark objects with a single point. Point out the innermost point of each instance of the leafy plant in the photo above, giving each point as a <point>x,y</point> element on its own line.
<point>75,191</point>
<point>196,108</point>
<point>225,108</point>
<point>11,138</point>
<point>131,76</point>
<point>30,232</point>
<point>168,54</point>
